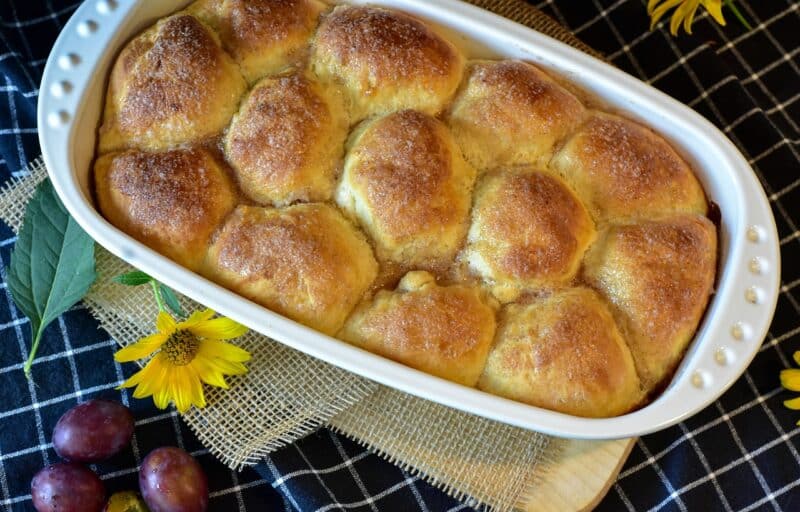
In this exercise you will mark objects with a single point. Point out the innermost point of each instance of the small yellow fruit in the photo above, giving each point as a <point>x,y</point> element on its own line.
<point>127,501</point>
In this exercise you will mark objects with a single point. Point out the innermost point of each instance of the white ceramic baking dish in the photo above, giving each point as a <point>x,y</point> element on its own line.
<point>738,316</point>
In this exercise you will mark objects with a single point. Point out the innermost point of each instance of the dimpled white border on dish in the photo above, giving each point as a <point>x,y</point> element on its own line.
<point>70,102</point>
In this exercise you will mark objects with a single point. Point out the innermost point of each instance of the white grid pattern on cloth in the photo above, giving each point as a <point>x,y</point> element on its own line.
<point>12,108</point>
<point>356,478</point>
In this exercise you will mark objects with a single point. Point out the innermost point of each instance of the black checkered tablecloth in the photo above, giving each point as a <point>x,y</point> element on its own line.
<point>741,453</point>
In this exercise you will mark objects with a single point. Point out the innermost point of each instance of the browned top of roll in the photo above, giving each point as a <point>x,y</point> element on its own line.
<point>659,275</point>
<point>511,112</point>
<point>286,140</point>
<point>386,60</point>
<point>171,84</point>
<point>565,353</point>
<point>184,53</point>
<point>447,322</point>
<point>305,261</point>
<point>406,167</point>
<point>516,84</point>
<point>444,330</point>
<point>256,243</point>
<point>528,230</point>
<point>281,118</point>
<point>413,183</point>
<point>671,264</point>
<point>624,169</point>
<point>253,23</point>
<point>392,45</point>
<point>163,199</point>
<point>262,35</point>
<point>537,199</point>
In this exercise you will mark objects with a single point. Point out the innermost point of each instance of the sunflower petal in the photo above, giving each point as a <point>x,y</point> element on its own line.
<point>165,323</point>
<point>133,380</point>
<point>161,391</point>
<point>161,397</point>
<point>678,17</point>
<point>208,373</point>
<point>714,8</point>
<point>154,380</point>
<point>179,389</point>
<point>796,357</point>
<point>173,390</point>
<point>228,367</point>
<point>141,349</point>
<point>196,395</point>
<point>790,379</point>
<point>794,403</point>
<point>141,375</point>
<point>197,317</point>
<point>656,15</point>
<point>651,4</point>
<point>222,350</point>
<point>688,19</point>
<point>218,329</point>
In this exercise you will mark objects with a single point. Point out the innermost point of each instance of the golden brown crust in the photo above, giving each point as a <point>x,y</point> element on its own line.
<point>386,60</point>
<point>170,85</point>
<point>445,331</point>
<point>306,262</point>
<point>563,353</point>
<point>658,275</point>
<point>528,231</point>
<point>286,141</point>
<point>406,183</point>
<point>511,112</point>
<point>622,169</point>
<point>263,36</point>
<point>551,170</point>
<point>162,199</point>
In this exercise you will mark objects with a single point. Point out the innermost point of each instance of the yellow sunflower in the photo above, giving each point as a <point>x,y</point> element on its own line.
<point>790,379</point>
<point>684,12</point>
<point>188,352</point>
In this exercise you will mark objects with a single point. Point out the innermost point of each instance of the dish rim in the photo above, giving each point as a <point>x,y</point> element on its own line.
<point>728,338</point>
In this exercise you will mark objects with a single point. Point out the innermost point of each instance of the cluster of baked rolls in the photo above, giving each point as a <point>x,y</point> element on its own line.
<point>348,167</point>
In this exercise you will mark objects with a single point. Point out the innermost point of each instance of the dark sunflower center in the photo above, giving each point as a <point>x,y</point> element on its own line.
<point>181,347</point>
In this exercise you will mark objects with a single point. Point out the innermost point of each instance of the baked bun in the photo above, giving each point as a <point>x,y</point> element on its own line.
<point>287,140</point>
<point>511,112</point>
<point>528,231</point>
<point>658,275</point>
<point>442,330</point>
<point>306,262</point>
<point>263,36</point>
<point>163,200</point>
<point>170,85</point>
<point>622,169</point>
<point>563,353</point>
<point>407,184</point>
<point>386,60</point>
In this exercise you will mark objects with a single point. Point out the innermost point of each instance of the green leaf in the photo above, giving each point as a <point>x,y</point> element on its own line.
<point>171,300</point>
<point>52,265</point>
<point>133,278</point>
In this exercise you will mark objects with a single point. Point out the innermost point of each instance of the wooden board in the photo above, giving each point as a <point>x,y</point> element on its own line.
<point>581,477</point>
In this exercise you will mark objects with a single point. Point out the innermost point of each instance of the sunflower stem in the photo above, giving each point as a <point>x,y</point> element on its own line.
<point>739,16</point>
<point>34,348</point>
<point>157,294</point>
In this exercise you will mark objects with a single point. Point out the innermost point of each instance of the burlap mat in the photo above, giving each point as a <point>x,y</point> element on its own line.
<point>287,394</point>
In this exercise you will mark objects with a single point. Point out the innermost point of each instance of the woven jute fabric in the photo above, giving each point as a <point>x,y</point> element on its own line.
<point>287,394</point>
